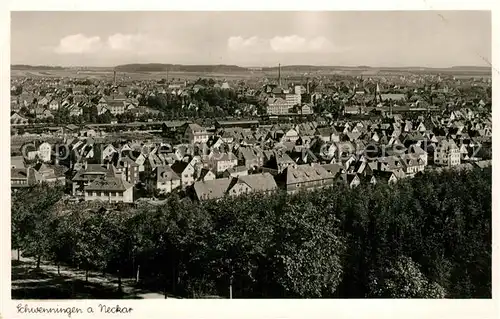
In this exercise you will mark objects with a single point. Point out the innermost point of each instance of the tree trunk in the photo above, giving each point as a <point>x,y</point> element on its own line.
<point>18,254</point>
<point>173,278</point>
<point>137,274</point>
<point>165,287</point>
<point>230,289</point>
<point>58,269</point>
<point>38,261</point>
<point>86,275</point>
<point>119,281</point>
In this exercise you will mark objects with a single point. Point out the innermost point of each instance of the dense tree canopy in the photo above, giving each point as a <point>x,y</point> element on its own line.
<point>428,237</point>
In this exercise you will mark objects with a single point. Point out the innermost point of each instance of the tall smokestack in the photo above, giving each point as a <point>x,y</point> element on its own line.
<point>279,74</point>
<point>114,77</point>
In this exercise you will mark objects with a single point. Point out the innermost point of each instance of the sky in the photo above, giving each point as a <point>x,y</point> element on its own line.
<point>344,38</point>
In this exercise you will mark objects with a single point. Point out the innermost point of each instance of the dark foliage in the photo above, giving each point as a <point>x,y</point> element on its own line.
<point>428,237</point>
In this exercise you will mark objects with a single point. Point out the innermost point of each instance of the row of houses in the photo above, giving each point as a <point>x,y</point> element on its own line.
<point>232,159</point>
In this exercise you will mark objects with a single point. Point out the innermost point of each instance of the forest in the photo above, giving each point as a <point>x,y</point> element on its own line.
<point>426,237</point>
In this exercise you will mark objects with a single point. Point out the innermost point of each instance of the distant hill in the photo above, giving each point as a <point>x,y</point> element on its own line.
<point>223,68</point>
<point>160,67</point>
<point>35,67</point>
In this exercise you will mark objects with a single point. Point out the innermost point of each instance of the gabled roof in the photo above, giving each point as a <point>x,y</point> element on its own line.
<point>211,189</point>
<point>415,149</point>
<point>326,131</point>
<point>383,175</point>
<point>333,169</point>
<point>165,173</point>
<point>259,182</point>
<point>304,173</point>
<point>17,161</point>
<point>179,167</point>
<point>237,169</point>
<point>108,184</point>
<point>19,173</point>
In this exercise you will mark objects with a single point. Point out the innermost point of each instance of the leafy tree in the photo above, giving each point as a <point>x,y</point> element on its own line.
<point>32,219</point>
<point>403,279</point>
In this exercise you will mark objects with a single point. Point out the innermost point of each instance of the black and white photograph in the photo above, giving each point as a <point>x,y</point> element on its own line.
<point>251,154</point>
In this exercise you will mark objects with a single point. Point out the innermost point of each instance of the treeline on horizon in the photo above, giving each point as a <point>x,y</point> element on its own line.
<point>427,237</point>
<point>223,68</point>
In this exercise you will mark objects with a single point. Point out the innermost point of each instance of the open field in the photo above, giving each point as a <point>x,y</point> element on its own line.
<point>107,73</point>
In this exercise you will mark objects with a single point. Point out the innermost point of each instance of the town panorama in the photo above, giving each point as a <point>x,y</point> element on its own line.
<point>223,181</point>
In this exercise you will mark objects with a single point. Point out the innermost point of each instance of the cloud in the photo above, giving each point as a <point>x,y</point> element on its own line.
<point>125,42</point>
<point>282,44</point>
<point>254,44</point>
<point>298,44</point>
<point>77,44</point>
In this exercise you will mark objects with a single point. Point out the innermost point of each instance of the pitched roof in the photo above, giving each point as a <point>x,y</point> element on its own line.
<point>109,184</point>
<point>237,169</point>
<point>165,173</point>
<point>334,169</point>
<point>259,182</point>
<point>483,164</point>
<point>19,173</point>
<point>383,175</point>
<point>211,189</point>
<point>326,131</point>
<point>179,167</point>
<point>17,161</point>
<point>304,173</point>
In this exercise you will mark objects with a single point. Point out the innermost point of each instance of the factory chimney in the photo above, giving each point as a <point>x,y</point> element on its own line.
<point>279,75</point>
<point>114,77</point>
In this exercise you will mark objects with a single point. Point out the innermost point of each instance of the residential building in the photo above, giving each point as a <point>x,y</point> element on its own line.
<point>214,189</point>
<point>447,153</point>
<point>234,186</point>
<point>385,177</point>
<point>89,173</point>
<point>116,107</point>
<point>48,174</point>
<point>277,106</point>
<point>255,183</point>
<point>45,152</point>
<point>17,162</point>
<point>194,133</point>
<point>304,177</point>
<point>22,177</point>
<point>16,118</point>
<point>129,168</point>
<point>206,175</point>
<point>164,180</point>
<point>236,171</point>
<point>223,161</point>
<point>109,189</point>
<point>250,157</point>
<point>185,171</point>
